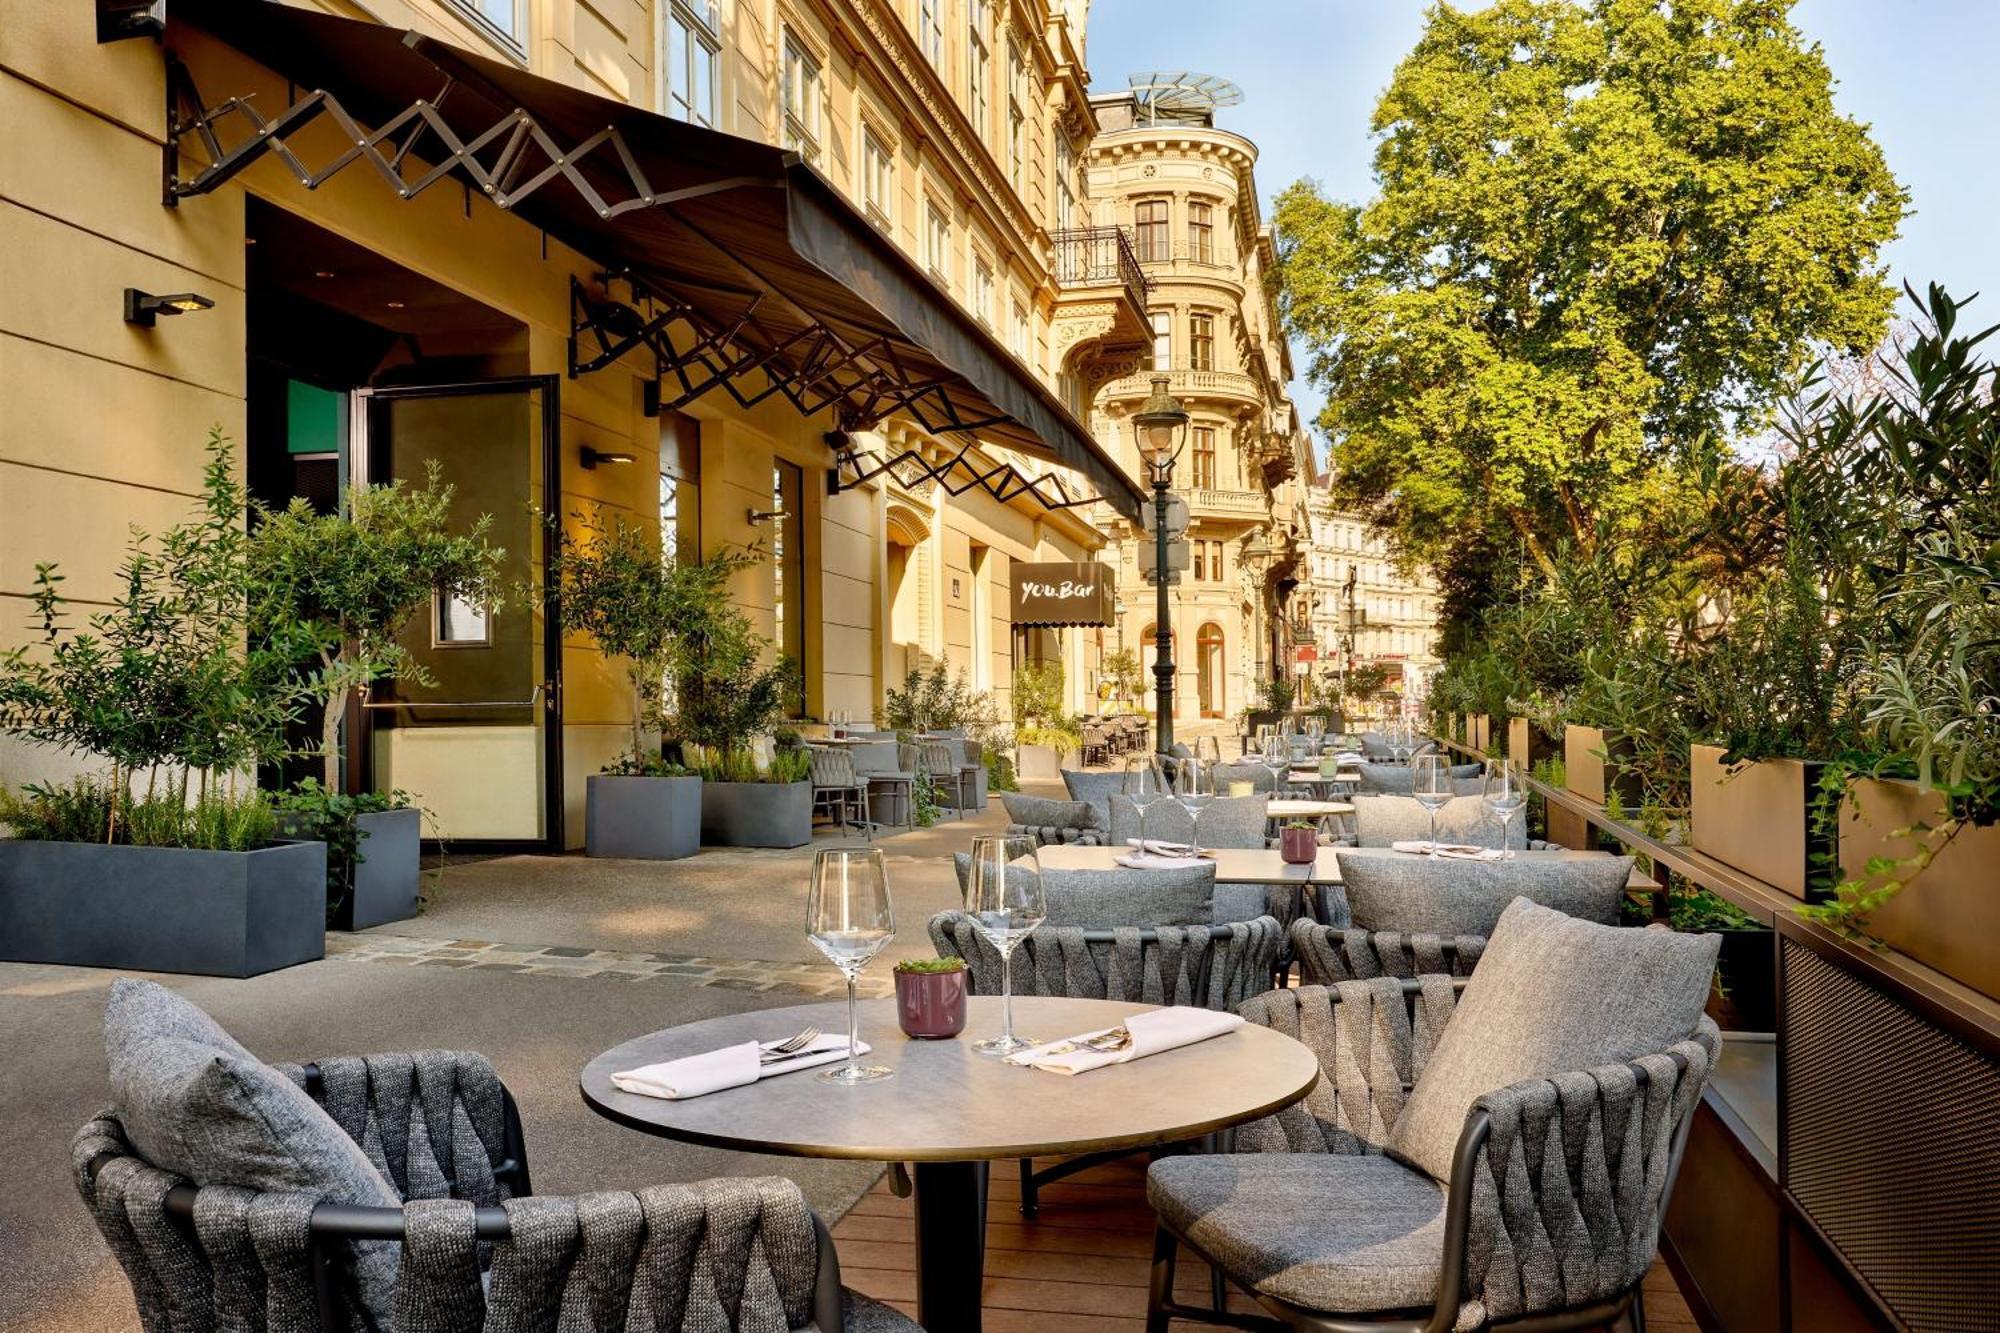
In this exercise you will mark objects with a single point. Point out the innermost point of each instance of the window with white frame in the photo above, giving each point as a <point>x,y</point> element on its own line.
<point>878,179</point>
<point>978,66</point>
<point>1163,339</point>
<point>802,93</point>
<point>1019,338</point>
<point>1017,120</point>
<point>1065,178</point>
<point>930,30</point>
<point>937,241</point>
<point>690,50</point>
<point>982,291</point>
<point>507,19</point>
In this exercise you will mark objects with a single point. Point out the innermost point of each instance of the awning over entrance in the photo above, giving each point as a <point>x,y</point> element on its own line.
<point>755,276</point>
<point>1049,595</point>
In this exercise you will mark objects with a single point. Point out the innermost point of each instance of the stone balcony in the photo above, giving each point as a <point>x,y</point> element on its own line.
<point>1100,288</point>
<point>1189,385</point>
<point>1242,506</point>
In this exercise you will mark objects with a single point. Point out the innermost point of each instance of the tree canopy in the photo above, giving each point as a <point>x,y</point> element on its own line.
<point>1607,234</point>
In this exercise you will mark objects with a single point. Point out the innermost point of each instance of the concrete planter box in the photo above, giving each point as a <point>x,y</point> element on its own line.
<point>163,909</point>
<point>1585,754</point>
<point>1037,761</point>
<point>390,869</point>
<point>1756,817</point>
<point>641,818</point>
<point>756,814</point>
<point>1478,731</point>
<point>1947,916</point>
<point>1528,744</point>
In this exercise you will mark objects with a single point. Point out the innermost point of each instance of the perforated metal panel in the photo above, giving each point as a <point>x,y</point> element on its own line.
<point>1890,1142</point>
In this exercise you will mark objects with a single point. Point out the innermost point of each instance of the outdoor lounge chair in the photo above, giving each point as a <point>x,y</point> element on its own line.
<point>1448,898</point>
<point>459,1244</point>
<point>1412,1191</point>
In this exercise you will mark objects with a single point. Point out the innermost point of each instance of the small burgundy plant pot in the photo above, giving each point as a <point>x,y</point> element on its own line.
<point>1296,846</point>
<point>930,1005</point>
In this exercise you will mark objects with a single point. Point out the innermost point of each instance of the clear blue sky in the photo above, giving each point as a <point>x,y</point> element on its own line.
<point>1925,74</point>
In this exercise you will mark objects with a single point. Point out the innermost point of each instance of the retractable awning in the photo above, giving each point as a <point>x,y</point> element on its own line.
<point>754,276</point>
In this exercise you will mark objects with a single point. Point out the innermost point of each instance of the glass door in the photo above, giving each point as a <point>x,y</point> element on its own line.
<point>480,746</point>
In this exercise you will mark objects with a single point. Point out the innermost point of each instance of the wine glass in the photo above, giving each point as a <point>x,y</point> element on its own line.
<point>1505,793</point>
<point>1206,750</point>
<point>1003,895</point>
<point>849,918</point>
<point>1147,785</point>
<point>1194,788</point>
<point>1430,783</point>
<point>1277,756</point>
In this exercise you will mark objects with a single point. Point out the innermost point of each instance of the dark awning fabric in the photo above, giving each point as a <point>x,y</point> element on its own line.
<point>776,240</point>
<point>1063,594</point>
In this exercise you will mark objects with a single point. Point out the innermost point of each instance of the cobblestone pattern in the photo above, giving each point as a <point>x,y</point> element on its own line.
<point>819,980</point>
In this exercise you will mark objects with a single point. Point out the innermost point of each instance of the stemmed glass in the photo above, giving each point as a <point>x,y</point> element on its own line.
<point>1505,793</point>
<point>849,919</point>
<point>1400,740</point>
<point>1194,788</point>
<point>1430,783</point>
<point>1146,785</point>
<point>1003,895</point>
<point>1278,758</point>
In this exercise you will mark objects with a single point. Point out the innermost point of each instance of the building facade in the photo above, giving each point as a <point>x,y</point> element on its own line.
<point>374,310</point>
<point>1181,193</point>
<point>1362,609</point>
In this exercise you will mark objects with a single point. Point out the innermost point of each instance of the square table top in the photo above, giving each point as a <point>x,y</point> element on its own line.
<point>1243,865</point>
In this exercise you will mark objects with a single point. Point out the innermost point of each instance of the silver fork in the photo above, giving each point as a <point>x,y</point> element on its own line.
<point>789,1046</point>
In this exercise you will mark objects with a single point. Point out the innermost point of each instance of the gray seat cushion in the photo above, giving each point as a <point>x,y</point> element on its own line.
<point>1467,779</point>
<point>1045,815</point>
<point>1229,821</point>
<point>1438,896</point>
<point>194,1102</point>
<point>865,1314</point>
<point>1326,1231</point>
<point>1382,821</point>
<point>1552,994</point>
<point>1095,790</point>
<point>1121,897</point>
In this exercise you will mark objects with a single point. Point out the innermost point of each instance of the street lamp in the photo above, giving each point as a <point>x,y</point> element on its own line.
<point>1161,426</point>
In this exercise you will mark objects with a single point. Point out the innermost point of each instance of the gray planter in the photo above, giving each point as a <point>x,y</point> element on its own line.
<point>391,866</point>
<point>163,909</point>
<point>756,814</point>
<point>641,818</point>
<point>1037,761</point>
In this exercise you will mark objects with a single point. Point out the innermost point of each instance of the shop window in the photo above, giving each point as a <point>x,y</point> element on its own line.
<point>688,66</point>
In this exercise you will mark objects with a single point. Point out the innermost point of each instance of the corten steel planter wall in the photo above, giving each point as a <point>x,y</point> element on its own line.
<point>641,818</point>
<point>1757,817</point>
<point>1584,772</point>
<point>756,814</point>
<point>163,909</point>
<point>1037,761</point>
<point>1478,731</point>
<point>1948,915</point>
<point>1527,743</point>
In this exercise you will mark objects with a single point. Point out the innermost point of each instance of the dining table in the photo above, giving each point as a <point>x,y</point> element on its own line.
<point>949,1112</point>
<point>1254,865</point>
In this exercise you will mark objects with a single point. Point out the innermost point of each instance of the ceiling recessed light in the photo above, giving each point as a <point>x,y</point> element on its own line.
<point>395,305</point>
<point>323,273</point>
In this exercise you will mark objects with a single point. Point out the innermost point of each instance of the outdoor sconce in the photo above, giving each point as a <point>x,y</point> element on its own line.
<point>758,516</point>
<point>592,457</point>
<point>141,308</point>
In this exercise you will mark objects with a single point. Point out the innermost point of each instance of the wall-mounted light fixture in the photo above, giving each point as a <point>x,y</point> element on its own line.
<point>142,308</point>
<point>758,516</point>
<point>592,457</point>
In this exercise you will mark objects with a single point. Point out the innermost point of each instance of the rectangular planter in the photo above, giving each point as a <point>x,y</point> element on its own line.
<point>1584,770</point>
<point>756,814</point>
<point>1528,744</point>
<point>391,867</point>
<point>1037,761</point>
<point>1478,731</point>
<point>641,818</point>
<point>1948,915</point>
<point>163,909</point>
<point>1756,817</point>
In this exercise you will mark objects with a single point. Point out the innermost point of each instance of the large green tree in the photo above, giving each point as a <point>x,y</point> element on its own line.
<point>1607,232</point>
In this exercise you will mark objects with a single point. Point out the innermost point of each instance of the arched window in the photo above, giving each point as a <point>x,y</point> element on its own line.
<point>1209,677</point>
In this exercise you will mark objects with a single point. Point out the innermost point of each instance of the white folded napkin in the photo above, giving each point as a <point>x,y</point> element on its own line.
<point>1153,1031</point>
<point>1456,851</point>
<point>730,1067</point>
<point>1160,847</point>
<point>1155,861</point>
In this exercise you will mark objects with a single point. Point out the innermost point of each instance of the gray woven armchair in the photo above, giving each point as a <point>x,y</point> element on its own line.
<point>477,1251</point>
<point>1545,1215</point>
<point>1330,954</point>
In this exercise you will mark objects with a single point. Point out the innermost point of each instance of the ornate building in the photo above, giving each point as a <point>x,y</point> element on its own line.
<point>1166,272</point>
<point>1362,610</point>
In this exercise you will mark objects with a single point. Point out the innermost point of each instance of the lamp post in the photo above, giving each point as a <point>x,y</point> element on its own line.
<point>1161,427</point>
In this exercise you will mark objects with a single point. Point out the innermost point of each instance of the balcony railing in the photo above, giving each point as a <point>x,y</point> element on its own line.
<point>1227,504</point>
<point>1096,256</point>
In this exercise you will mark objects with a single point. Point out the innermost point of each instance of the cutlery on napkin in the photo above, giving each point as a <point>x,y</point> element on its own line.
<point>731,1067</point>
<point>1141,1035</point>
<point>1155,861</point>
<point>1160,847</point>
<point>1456,851</point>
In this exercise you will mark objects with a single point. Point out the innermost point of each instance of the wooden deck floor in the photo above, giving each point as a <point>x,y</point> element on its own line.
<point>1082,1266</point>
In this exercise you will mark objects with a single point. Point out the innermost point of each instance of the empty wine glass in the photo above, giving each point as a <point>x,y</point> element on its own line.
<point>1003,895</point>
<point>1277,756</point>
<point>1430,783</point>
<point>1194,788</point>
<point>1505,793</point>
<point>849,919</point>
<point>1146,785</point>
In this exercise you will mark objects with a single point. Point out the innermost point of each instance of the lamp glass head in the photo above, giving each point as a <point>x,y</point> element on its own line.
<point>1160,422</point>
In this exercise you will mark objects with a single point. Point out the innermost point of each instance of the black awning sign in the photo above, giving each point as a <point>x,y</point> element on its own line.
<point>1063,594</point>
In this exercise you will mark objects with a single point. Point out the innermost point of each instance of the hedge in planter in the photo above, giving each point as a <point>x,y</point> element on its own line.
<point>744,806</point>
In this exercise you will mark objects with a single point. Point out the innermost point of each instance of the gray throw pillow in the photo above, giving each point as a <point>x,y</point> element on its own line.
<point>194,1102</point>
<point>1042,812</point>
<point>1552,994</point>
<point>1441,896</point>
<point>1094,790</point>
<point>1467,779</point>
<point>1383,821</point>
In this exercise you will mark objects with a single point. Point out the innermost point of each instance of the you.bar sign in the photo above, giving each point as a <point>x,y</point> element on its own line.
<point>1063,594</point>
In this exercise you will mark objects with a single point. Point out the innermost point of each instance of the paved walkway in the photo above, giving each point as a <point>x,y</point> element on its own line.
<point>539,962</point>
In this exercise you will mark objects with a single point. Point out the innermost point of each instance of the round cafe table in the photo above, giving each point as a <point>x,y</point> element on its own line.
<point>950,1111</point>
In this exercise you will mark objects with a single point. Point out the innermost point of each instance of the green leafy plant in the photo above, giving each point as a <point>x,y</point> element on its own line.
<point>999,770</point>
<point>645,764</point>
<point>740,764</point>
<point>1121,670</point>
<point>723,689</point>
<point>83,810</point>
<point>312,813</point>
<point>930,966</point>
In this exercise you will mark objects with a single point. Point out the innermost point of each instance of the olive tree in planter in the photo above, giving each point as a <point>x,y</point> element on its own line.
<point>167,860</point>
<point>1043,729</point>
<point>620,588</point>
<point>724,695</point>
<point>342,588</point>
